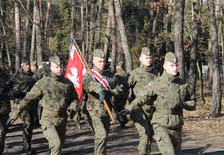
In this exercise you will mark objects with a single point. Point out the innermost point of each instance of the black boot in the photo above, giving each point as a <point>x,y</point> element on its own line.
<point>27,148</point>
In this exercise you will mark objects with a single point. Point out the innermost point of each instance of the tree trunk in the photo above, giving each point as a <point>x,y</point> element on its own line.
<point>210,64</point>
<point>33,38</point>
<point>4,37</point>
<point>92,30</point>
<point>169,24</point>
<point>47,18</point>
<point>113,36</point>
<point>178,36</point>
<point>26,29</point>
<point>41,16</point>
<point>82,27</point>
<point>73,20</point>
<point>194,48</point>
<point>216,87</point>
<point>129,64</point>
<point>38,34</point>
<point>108,27</point>
<point>99,24</point>
<point>18,35</point>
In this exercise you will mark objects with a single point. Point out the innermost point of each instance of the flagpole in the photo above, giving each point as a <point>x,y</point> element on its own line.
<point>87,66</point>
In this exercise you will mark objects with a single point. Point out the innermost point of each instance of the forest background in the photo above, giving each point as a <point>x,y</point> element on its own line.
<point>193,29</point>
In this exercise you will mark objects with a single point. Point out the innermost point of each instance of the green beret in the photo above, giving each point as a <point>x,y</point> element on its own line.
<point>120,63</point>
<point>146,51</point>
<point>171,57</point>
<point>34,63</point>
<point>56,60</point>
<point>99,53</point>
<point>25,60</point>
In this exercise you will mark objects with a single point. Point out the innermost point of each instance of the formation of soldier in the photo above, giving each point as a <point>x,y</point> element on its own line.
<point>154,103</point>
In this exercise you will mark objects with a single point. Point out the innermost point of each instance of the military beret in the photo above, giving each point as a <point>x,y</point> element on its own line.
<point>34,63</point>
<point>171,57</point>
<point>25,60</point>
<point>99,53</point>
<point>56,60</point>
<point>146,51</point>
<point>120,63</point>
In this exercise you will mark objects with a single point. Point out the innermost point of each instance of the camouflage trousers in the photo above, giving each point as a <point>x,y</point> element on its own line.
<point>168,140</point>
<point>27,116</point>
<point>143,128</point>
<point>101,127</point>
<point>55,136</point>
<point>3,129</point>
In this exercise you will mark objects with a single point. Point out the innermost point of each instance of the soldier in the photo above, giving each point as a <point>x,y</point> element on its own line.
<point>121,101</point>
<point>33,66</point>
<point>96,94</point>
<point>56,93</point>
<point>4,106</point>
<point>43,71</point>
<point>22,84</point>
<point>173,95</point>
<point>137,80</point>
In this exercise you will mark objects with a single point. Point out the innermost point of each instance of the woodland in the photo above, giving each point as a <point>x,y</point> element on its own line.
<point>192,29</point>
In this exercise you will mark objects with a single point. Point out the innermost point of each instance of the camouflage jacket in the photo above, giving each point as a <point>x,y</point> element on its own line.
<point>43,72</point>
<point>120,75</point>
<point>140,77</point>
<point>169,91</point>
<point>22,84</point>
<point>5,102</point>
<point>56,94</point>
<point>92,88</point>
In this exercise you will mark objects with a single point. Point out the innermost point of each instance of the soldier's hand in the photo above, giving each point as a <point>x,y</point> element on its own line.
<point>123,112</point>
<point>10,121</point>
<point>105,94</point>
<point>71,113</point>
<point>184,105</point>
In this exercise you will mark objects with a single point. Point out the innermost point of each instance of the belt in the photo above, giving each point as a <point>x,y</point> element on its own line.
<point>168,112</point>
<point>53,113</point>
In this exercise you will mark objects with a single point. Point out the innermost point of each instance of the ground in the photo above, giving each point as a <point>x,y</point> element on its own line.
<point>202,134</point>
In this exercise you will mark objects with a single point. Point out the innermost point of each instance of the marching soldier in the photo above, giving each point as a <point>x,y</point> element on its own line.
<point>56,93</point>
<point>173,95</point>
<point>33,66</point>
<point>96,94</point>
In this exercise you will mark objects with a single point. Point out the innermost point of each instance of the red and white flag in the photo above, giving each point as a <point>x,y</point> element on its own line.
<point>75,71</point>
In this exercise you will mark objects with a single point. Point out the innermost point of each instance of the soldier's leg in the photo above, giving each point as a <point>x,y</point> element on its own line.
<point>142,127</point>
<point>176,139</point>
<point>3,128</point>
<point>54,140</point>
<point>61,132</point>
<point>27,126</point>
<point>163,140</point>
<point>101,128</point>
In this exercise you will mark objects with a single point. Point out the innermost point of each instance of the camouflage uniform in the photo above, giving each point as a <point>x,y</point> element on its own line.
<point>98,113</point>
<point>43,72</point>
<point>172,93</point>
<point>4,111</point>
<point>22,84</point>
<point>56,94</point>
<point>140,77</point>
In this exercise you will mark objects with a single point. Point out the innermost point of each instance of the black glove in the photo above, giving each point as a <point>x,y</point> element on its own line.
<point>123,112</point>
<point>184,105</point>
<point>105,94</point>
<point>10,121</point>
<point>72,113</point>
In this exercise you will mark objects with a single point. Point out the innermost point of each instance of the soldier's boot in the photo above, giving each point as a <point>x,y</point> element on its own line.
<point>27,148</point>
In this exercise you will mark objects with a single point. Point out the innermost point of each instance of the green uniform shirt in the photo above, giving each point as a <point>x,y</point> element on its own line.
<point>4,103</point>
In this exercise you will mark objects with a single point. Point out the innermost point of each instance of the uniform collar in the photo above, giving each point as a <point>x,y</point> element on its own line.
<point>99,71</point>
<point>52,75</point>
<point>169,77</point>
<point>146,68</point>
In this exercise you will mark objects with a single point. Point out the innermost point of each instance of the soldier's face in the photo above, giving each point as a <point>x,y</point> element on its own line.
<point>99,62</point>
<point>170,68</point>
<point>26,67</point>
<point>145,60</point>
<point>56,69</point>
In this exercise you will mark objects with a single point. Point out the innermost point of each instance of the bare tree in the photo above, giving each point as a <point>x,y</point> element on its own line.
<point>129,64</point>
<point>38,34</point>
<point>113,36</point>
<point>47,18</point>
<point>26,29</point>
<point>194,48</point>
<point>178,36</point>
<point>216,87</point>
<point>18,35</point>
<point>99,24</point>
<point>33,38</point>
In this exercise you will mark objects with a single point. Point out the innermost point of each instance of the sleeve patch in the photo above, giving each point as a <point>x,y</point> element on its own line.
<point>149,84</point>
<point>36,83</point>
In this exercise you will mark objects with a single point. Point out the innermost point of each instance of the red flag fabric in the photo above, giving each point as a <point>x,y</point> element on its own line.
<point>75,71</point>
